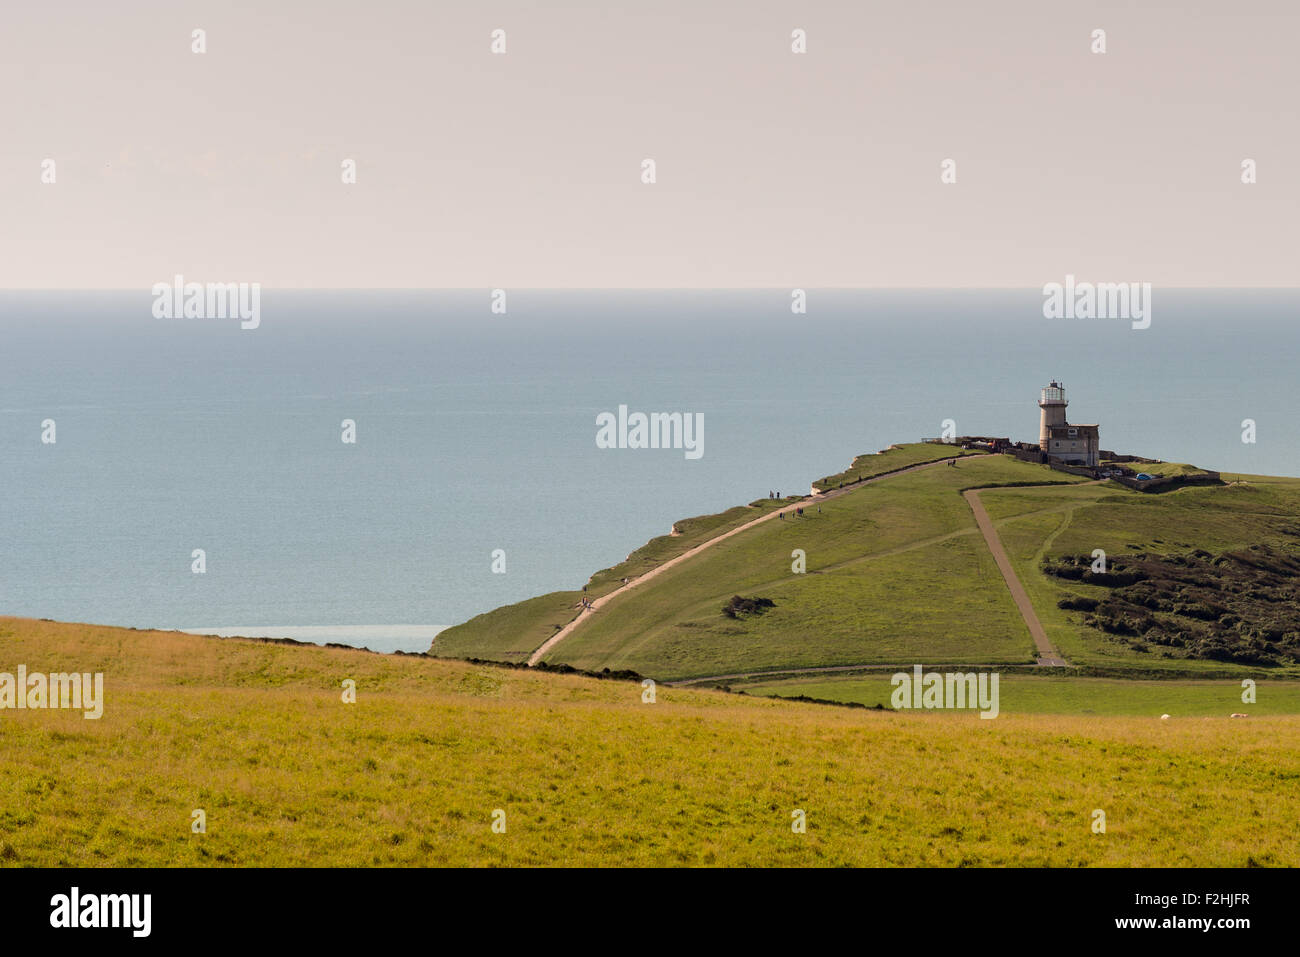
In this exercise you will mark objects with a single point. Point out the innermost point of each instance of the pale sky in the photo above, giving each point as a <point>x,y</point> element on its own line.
<point>774,169</point>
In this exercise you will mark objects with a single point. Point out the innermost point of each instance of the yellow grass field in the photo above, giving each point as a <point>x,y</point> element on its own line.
<point>256,735</point>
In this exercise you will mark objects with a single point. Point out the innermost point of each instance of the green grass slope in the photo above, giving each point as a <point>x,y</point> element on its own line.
<point>896,572</point>
<point>1044,524</point>
<point>513,632</point>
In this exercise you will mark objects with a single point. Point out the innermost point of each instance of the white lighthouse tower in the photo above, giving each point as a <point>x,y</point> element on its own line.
<point>1062,440</point>
<point>1052,402</point>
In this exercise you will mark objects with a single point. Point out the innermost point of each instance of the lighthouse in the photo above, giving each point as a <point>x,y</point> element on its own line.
<point>1074,444</point>
<point>1052,402</point>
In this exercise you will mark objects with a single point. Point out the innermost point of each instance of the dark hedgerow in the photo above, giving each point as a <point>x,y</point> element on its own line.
<point>1075,603</point>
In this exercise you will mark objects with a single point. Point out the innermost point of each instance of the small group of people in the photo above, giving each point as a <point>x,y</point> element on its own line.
<point>798,511</point>
<point>771,494</point>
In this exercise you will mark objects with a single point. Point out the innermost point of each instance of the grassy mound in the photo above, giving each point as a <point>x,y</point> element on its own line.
<point>892,459</point>
<point>513,632</point>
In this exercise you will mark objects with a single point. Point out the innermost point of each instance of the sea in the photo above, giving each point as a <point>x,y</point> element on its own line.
<point>475,478</point>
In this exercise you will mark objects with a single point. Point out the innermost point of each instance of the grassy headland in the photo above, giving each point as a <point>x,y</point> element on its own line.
<point>897,573</point>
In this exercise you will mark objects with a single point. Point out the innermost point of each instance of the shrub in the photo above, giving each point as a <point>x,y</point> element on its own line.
<point>746,606</point>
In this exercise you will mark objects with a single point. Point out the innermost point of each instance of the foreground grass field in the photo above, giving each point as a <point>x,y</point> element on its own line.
<point>256,735</point>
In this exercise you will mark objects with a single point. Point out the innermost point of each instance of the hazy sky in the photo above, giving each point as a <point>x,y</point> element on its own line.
<point>774,169</point>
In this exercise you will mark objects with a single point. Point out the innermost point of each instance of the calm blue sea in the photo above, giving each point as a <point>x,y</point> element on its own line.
<point>477,432</point>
